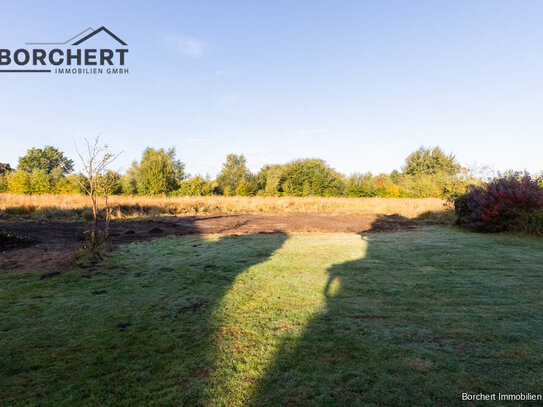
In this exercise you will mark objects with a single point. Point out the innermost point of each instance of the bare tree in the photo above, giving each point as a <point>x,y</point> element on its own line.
<point>96,159</point>
<point>106,183</point>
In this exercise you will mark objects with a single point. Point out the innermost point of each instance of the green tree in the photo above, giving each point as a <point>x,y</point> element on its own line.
<point>430,161</point>
<point>196,186</point>
<point>158,172</point>
<point>40,182</point>
<point>310,177</point>
<point>129,181</point>
<point>360,185</point>
<point>109,183</point>
<point>5,174</point>
<point>46,159</point>
<point>268,180</point>
<point>5,168</point>
<point>235,172</point>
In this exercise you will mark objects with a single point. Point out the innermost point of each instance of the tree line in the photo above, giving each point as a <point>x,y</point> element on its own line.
<point>427,172</point>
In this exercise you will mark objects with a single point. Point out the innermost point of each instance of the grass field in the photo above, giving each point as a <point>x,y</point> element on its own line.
<point>406,318</point>
<point>77,206</point>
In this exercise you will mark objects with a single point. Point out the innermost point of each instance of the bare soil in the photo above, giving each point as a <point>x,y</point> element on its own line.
<point>49,246</point>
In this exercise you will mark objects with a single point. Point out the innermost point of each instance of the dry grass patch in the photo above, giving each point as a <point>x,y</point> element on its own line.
<point>77,206</point>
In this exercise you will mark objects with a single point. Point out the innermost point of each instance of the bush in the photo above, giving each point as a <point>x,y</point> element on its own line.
<point>196,186</point>
<point>385,187</point>
<point>436,185</point>
<point>532,222</point>
<point>360,185</point>
<point>506,203</point>
<point>246,188</point>
<point>4,182</point>
<point>19,182</point>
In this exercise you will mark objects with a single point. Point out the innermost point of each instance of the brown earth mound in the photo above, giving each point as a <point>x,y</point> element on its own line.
<point>51,244</point>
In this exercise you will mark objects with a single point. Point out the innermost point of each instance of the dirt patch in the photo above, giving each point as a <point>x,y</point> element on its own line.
<point>49,246</point>
<point>9,241</point>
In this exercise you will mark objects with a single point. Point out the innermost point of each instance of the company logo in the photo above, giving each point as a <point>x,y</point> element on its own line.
<point>70,57</point>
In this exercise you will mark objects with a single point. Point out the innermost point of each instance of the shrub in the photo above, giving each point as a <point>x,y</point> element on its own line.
<point>5,173</point>
<point>40,182</point>
<point>504,203</point>
<point>71,184</point>
<point>385,187</point>
<point>435,185</point>
<point>4,182</point>
<point>246,188</point>
<point>19,182</point>
<point>196,186</point>
<point>361,185</point>
<point>532,222</point>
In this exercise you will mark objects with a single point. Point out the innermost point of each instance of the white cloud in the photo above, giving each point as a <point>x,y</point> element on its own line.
<point>187,45</point>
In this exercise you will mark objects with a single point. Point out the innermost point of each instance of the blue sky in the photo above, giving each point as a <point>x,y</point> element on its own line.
<point>357,83</point>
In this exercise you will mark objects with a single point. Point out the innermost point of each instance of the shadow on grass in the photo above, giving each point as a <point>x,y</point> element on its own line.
<point>189,312</point>
<point>198,313</point>
<point>141,325</point>
<point>340,358</point>
<point>410,323</point>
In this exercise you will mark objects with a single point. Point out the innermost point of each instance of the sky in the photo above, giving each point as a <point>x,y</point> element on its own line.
<point>360,84</point>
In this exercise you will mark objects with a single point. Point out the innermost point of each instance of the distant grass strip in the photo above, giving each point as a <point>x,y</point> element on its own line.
<point>76,207</point>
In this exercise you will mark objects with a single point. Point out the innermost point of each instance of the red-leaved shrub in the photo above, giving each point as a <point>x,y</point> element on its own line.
<point>499,204</point>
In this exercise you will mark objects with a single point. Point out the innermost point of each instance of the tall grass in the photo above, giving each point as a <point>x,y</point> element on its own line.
<point>77,206</point>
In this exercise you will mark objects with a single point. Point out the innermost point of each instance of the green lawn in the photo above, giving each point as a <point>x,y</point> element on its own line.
<point>408,318</point>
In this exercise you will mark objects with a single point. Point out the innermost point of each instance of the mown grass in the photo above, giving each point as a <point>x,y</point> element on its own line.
<point>407,318</point>
<point>77,207</point>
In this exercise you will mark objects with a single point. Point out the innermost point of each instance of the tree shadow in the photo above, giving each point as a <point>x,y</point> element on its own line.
<point>142,324</point>
<point>189,312</point>
<point>398,328</point>
<point>334,361</point>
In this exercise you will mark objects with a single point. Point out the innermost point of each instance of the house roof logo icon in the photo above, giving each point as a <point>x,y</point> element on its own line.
<point>93,32</point>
